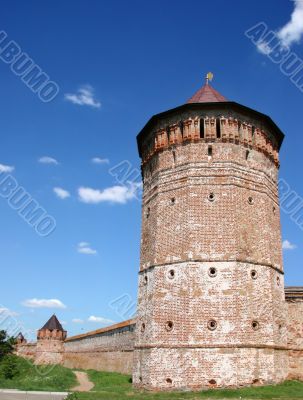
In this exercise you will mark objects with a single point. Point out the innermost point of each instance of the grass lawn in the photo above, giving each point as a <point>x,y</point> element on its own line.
<point>112,386</point>
<point>30,377</point>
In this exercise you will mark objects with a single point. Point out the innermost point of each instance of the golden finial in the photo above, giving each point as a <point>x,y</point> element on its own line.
<point>209,77</point>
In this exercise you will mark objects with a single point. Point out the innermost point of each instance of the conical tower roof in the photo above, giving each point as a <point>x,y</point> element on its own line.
<point>53,324</point>
<point>207,94</point>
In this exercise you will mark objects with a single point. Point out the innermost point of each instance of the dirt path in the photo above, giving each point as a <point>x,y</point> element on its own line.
<point>85,385</point>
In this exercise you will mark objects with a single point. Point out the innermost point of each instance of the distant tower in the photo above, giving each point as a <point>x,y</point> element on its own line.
<point>20,339</point>
<point>211,310</point>
<point>50,342</point>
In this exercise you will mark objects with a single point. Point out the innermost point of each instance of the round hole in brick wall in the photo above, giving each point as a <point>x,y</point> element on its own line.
<point>255,381</point>
<point>254,274</point>
<point>171,274</point>
<point>212,382</point>
<point>274,209</point>
<point>211,197</point>
<point>143,327</point>
<point>212,272</point>
<point>250,200</point>
<point>172,201</point>
<point>145,280</point>
<point>169,326</point>
<point>140,378</point>
<point>255,325</point>
<point>212,325</point>
<point>169,381</point>
<point>278,280</point>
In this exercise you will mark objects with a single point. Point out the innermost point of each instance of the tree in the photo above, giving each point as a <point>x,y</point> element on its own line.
<point>6,344</point>
<point>9,367</point>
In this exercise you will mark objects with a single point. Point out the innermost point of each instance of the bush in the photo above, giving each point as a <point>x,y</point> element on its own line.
<point>9,367</point>
<point>6,344</point>
<point>72,396</point>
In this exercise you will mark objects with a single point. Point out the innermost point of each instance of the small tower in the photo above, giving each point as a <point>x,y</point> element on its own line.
<point>20,339</point>
<point>50,342</point>
<point>211,309</point>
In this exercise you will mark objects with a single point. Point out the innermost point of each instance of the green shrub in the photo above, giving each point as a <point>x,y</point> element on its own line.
<point>72,396</point>
<point>9,367</point>
<point>6,344</point>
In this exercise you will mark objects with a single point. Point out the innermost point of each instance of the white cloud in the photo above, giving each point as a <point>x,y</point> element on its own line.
<point>48,160</point>
<point>61,193</point>
<point>114,194</point>
<point>97,160</point>
<point>7,312</point>
<point>263,48</point>
<point>100,320</point>
<point>84,248</point>
<point>293,30</point>
<point>286,245</point>
<point>6,168</point>
<point>43,303</point>
<point>77,321</point>
<point>83,97</point>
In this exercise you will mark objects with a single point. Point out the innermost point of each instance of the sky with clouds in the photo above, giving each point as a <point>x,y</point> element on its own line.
<point>116,64</point>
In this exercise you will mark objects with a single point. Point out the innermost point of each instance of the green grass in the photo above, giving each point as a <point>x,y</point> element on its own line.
<point>31,377</point>
<point>115,386</point>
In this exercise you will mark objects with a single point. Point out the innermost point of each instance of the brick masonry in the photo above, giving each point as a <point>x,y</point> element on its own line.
<point>212,308</point>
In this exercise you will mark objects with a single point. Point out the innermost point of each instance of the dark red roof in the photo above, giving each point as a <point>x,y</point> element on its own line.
<point>53,324</point>
<point>206,94</point>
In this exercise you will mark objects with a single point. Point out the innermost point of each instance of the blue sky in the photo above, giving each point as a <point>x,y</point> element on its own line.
<point>116,63</point>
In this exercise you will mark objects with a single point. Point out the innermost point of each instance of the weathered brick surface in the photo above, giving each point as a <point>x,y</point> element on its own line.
<point>210,202</point>
<point>295,335</point>
<point>27,350</point>
<point>109,349</point>
<point>50,347</point>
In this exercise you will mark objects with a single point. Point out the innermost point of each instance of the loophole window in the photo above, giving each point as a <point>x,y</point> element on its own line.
<point>148,212</point>
<point>173,201</point>
<point>169,326</point>
<point>140,378</point>
<point>278,280</point>
<point>211,197</point>
<point>145,280</point>
<point>255,325</point>
<point>171,274</point>
<point>143,327</point>
<point>254,274</point>
<point>250,200</point>
<point>212,382</point>
<point>169,381</point>
<point>212,272</point>
<point>274,210</point>
<point>212,325</point>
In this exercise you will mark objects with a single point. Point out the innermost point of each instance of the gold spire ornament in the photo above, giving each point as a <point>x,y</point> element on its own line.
<point>209,77</point>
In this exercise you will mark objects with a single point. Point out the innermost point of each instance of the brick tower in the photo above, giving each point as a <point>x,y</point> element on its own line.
<point>50,342</point>
<point>211,310</point>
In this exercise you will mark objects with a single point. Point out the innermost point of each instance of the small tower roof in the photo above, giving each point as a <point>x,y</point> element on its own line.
<point>207,94</point>
<point>53,324</point>
<point>20,336</point>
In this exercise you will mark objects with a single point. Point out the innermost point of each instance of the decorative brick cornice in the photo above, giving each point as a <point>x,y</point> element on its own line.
<point>232,130</point>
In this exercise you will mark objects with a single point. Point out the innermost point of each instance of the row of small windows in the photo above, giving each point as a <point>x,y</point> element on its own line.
<point>212,325</point>
<point>212,272</point>
<point>211,197</point>
<point>211,382</point>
